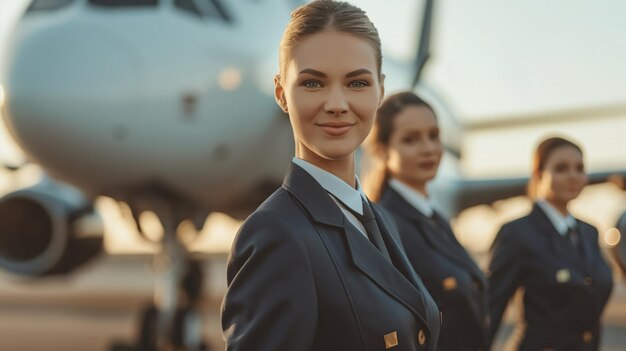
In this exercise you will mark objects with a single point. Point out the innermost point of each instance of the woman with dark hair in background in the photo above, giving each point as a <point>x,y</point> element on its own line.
<point>405,143</point>
<point>316,266</point>
<point>554,257</point>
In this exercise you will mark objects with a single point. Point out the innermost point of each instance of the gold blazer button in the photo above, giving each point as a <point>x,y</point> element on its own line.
<point>587,336</point>
<point>588,280</point>
<point>421,337</point>
<point>449,283</point>
<point>391,340</point>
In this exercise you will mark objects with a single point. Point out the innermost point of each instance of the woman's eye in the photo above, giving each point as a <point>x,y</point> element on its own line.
<point>434,136</point>
<point>358,84</point>
<point>311,84</point>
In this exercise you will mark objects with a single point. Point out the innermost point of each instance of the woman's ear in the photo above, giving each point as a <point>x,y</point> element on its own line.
<point>279,94</point>
<point>382,90</point>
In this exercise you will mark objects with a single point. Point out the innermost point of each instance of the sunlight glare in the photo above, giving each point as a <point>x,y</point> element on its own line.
<point>151,226</point>
<point>230,79</point>
<point>612,237</point>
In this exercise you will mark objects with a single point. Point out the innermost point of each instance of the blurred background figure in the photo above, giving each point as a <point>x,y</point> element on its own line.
<point>553,257</point>
<point>406,144</point>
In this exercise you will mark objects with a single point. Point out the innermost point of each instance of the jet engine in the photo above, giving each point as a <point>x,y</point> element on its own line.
<point>47,229</point>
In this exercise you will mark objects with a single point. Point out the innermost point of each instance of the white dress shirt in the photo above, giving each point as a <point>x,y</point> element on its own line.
<point>338,190</point>
<point>561,223</point>
<point>413,197</point>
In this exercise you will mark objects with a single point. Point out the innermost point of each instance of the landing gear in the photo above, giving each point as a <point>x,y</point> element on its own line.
<point>173,321</point>
<point>181,330</point>
<point>186,325</point>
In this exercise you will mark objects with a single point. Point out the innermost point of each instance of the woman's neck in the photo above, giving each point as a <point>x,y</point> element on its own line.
<point>559,206</point>
<point>420,187</point>
<point>343,168</point>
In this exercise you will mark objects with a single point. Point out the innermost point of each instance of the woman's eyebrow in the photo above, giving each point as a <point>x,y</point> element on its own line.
<point>348,75</point>
<point>313,72</point>
<point>358,72</point>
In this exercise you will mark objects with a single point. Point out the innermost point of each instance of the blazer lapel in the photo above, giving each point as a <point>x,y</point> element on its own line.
<point>313,197</point>
<point>364,254</point>
<point>402,264</point>
<point>586,237</point>
<point>557,241</point>
<point>375,266</point>
<point>432,233</point>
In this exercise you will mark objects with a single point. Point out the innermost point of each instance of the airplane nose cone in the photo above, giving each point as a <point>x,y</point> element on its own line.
<point>63,79</point>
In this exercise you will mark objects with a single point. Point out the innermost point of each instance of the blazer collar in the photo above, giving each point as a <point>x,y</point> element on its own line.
<point>432,234</point>
<point>412,197</point>
<point>538,216</point>
<point>393,199</point>
<point>335,186</point>
<point>313,196</point>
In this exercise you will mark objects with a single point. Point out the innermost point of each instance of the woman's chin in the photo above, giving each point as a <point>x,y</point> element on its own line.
<point>335,153</point>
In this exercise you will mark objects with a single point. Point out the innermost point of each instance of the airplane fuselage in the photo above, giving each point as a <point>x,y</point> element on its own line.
<point>112,98</point>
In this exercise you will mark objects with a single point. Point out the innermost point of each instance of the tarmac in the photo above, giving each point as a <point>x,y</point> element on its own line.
<point>100,305</point>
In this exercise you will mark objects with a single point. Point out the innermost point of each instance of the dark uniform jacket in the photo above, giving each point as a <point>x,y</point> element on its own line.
<point>301,277</point>
<point>456,283</point>
<point>564,293</point>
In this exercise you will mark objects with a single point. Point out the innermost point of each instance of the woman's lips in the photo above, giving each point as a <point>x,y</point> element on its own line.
<point>335,129</point>
<point>427,165</point>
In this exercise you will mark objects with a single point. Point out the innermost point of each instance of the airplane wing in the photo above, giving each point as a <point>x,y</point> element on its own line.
<point>596,113</point>
<point>474,192</point>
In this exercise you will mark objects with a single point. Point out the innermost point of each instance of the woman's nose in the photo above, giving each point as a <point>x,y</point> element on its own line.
<point>336,101</point>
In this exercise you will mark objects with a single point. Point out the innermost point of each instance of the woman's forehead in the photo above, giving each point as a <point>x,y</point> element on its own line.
<point>564,153</point>
<point>333,52</point>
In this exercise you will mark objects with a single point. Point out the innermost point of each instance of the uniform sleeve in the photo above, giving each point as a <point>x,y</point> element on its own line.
<point>271,302</point>
<point>504,275</point>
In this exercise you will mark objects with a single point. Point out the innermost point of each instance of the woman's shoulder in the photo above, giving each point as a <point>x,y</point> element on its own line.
<point>277,218</point>
<point>517,229</point>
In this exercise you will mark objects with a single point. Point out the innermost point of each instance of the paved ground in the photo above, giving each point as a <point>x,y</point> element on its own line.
<point>99,305</point>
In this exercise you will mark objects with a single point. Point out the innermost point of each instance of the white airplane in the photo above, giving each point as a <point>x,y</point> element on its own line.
<point>167,106</point>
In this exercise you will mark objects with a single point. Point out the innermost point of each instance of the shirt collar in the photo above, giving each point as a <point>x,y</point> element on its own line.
<point>415,198</point>
<point>561,223</point>
<point>341,190</point>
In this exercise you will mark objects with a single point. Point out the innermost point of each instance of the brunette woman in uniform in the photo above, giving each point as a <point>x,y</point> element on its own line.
<point>316,266</point>
<point>405,142</point>
<point>554,257</point>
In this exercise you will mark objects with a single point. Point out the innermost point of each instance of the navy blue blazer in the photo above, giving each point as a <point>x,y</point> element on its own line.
<point>302,278</point>
<point>456,283</point>
<point>564,293</point>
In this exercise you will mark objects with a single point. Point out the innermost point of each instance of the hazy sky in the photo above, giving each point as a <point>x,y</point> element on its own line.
<point>493,57</point>
<point>499,57</point>
<point>496,58</point>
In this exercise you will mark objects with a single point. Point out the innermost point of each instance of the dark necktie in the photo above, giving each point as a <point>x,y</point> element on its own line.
<point>574,237</point>
<point>441,224</point>
<point>371,227</point>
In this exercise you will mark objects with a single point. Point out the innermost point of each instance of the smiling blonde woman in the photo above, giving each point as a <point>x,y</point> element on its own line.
<point>316,266</point>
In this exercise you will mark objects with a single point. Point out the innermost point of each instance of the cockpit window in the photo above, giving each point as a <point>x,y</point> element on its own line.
<point>204,9</point>
<point>124,3</point>
<point>47,5</point>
